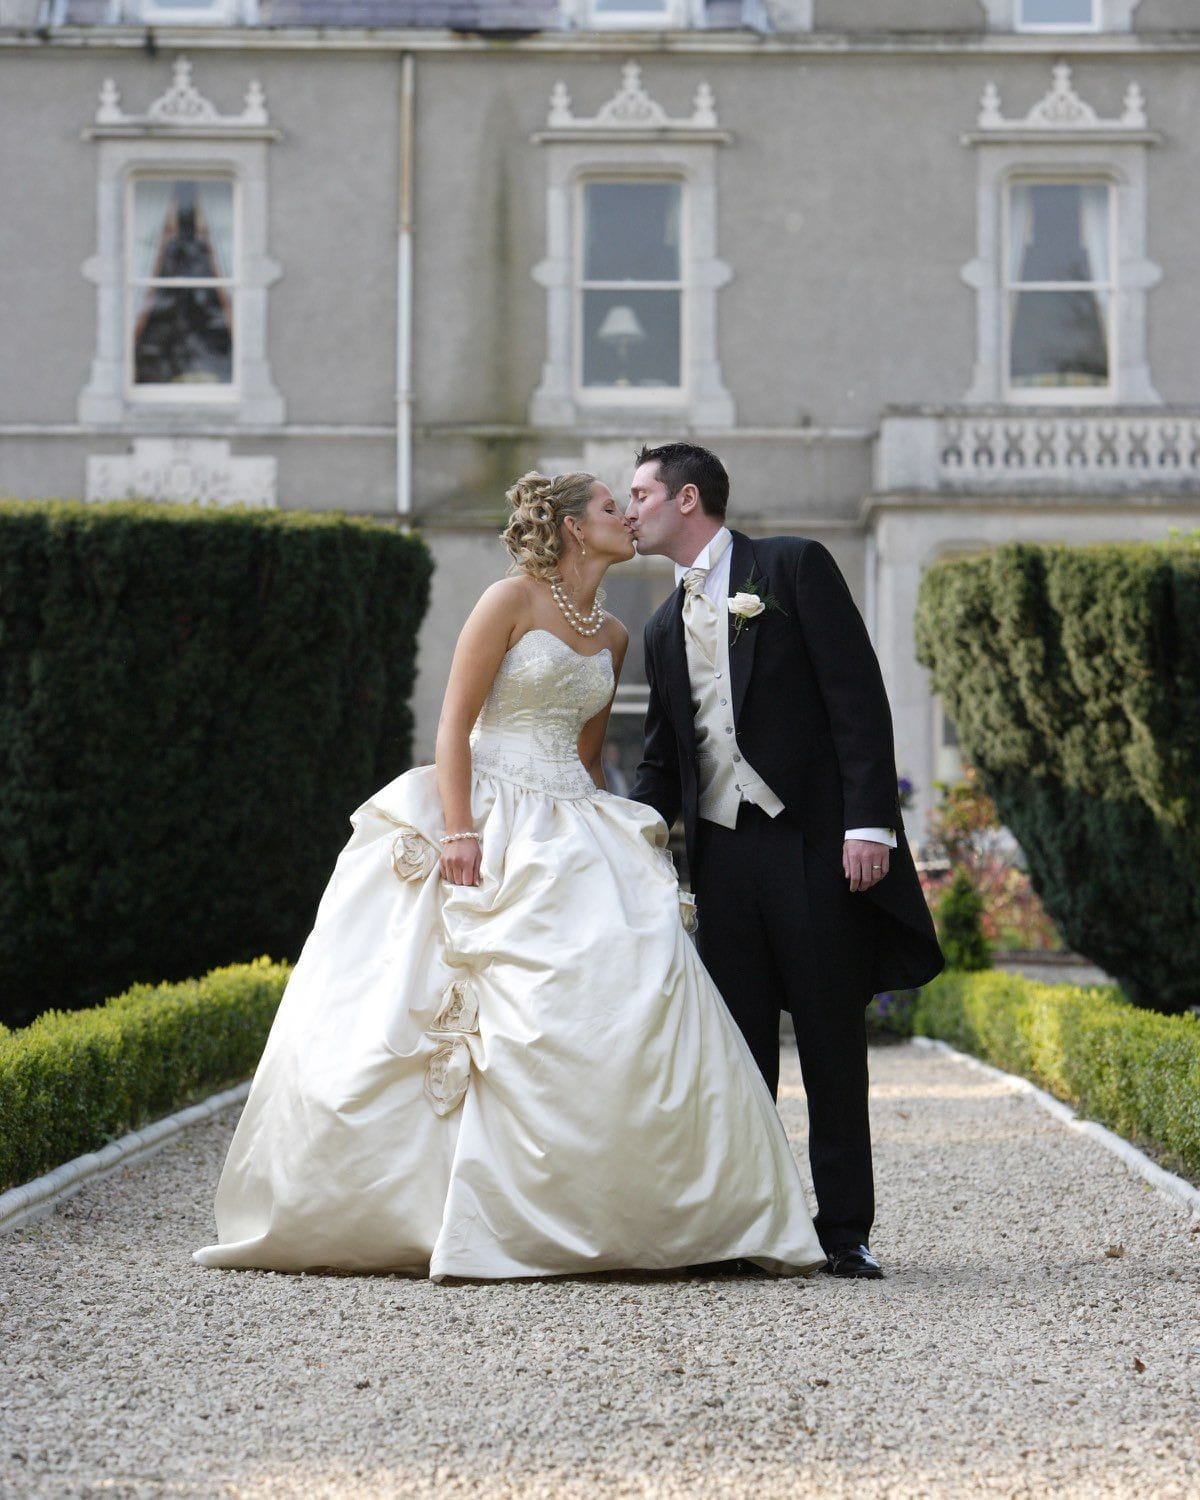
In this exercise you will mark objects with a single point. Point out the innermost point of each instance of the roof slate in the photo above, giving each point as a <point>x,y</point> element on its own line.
<point>455,15</point>
<point>496,17</point>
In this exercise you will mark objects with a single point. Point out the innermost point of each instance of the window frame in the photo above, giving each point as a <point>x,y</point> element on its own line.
<point>1058,28</point>
<point>196,13</point>
<point>181,135</point>
<point>184,392</point>
<point>625,395</point>
<point>674,13</point>
<point>1108,17</point>
<point>632,136</point>
<point>1067,395</point>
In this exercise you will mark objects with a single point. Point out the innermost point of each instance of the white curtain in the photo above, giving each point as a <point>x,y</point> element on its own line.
<point>214,202</point>
<point>1020,227</point>
<point>152,203</point>
<point>674,216</point>
<point>1093,230</point>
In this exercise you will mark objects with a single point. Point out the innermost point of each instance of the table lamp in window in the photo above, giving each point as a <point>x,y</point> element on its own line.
<point>619,330</point>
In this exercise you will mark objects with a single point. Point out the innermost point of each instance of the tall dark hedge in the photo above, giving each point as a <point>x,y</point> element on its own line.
<point>192,702</point>
<point>1073,675</point>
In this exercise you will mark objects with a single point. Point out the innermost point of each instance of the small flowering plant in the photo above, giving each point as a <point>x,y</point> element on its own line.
<point>749,602</point>
<point>890,1015</point>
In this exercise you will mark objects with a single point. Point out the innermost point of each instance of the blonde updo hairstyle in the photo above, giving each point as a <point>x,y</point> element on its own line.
<point>540,507</point>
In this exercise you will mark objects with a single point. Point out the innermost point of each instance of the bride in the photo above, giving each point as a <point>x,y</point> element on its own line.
<point>498,1054</point>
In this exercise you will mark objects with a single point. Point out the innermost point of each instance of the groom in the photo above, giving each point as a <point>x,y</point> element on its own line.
<point>769,728</point>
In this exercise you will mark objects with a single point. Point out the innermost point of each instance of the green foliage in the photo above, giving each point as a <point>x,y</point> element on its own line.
<point>960,925</point>
<point>1134,1071</point>
<point>1073,675</point>
<point>890,1015</point>
<point>72,1082</point>
<point>192,702</point>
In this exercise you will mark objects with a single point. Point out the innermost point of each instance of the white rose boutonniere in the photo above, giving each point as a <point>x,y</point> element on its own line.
<point>749,602</point>
<point>745,606</point>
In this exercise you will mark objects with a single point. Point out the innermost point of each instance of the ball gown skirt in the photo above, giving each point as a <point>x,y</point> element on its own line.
<point>534,1076</point>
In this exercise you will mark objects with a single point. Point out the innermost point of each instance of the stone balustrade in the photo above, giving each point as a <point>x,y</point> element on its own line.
<point>1110,450</point>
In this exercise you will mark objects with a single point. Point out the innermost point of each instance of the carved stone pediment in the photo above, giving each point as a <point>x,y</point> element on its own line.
<point>1060,112</point>
<point>631,113</point>
<point>181,110</point>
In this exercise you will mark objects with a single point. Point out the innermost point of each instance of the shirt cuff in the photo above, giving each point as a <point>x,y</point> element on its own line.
<point>875,835</point>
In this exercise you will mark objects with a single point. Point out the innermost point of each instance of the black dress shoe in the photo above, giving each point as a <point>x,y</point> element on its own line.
<point>853,1261</point>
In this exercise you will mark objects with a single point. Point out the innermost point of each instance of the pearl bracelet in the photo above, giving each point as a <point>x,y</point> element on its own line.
<point>450,838</point>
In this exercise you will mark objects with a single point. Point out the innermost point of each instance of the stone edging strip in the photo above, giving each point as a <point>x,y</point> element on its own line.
<point>1176,1188</point>
<point>32,1199</point>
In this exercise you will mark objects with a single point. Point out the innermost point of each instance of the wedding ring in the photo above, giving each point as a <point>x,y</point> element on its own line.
<point>877,867</point>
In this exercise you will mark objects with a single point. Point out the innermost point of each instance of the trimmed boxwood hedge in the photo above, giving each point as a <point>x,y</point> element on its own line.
<point>1073,675</point>
<point>73,1081</point>
<point>192,702</point>
<point>1134,1071</point>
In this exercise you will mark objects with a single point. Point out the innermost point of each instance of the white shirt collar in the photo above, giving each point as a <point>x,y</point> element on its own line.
<point>710,554</point>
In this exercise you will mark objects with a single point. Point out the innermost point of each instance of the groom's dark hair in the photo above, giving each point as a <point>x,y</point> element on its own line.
<point>686,463</point>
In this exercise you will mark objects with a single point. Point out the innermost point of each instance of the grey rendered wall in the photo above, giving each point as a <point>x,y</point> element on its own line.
<point>47,230</point>
<point>334,219</point>
<point>333,216</point>
<point>1173,226</point>
<point>1167,15</point>
<point>847,210</point>
<point>480,227</point>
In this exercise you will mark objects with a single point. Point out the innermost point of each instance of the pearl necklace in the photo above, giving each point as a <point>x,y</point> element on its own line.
<point>590,624</point>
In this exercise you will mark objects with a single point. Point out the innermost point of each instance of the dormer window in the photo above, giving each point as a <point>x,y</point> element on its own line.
<point>623,15</point>
<point>1058,15</point>
<point>192,12</point>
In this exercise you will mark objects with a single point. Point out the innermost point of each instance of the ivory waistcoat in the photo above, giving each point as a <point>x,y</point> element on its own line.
<point>727,779</point>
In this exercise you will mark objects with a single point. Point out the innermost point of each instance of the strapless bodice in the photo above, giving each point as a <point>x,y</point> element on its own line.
<point>528,728</point>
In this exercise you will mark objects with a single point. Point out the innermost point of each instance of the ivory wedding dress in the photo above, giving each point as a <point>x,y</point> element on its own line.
<point>534,1076</point>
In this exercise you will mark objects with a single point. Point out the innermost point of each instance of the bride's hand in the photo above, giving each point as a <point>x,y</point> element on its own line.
<point>460,862</point>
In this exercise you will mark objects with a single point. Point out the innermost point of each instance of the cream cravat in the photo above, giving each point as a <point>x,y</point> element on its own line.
<point>700,617</point>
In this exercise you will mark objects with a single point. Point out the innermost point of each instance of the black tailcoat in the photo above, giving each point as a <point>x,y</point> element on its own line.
<point>812,718</point>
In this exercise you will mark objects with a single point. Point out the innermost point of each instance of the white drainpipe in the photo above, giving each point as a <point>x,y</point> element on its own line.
<point>404,294</point>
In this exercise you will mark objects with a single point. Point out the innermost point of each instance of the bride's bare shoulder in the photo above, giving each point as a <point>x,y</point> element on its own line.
<point>506,602</point>
<point>514,592</point>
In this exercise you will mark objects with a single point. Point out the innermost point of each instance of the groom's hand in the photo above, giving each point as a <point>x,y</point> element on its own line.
<point>865,863</point>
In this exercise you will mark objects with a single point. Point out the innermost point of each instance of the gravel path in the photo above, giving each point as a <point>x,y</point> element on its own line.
<point>1038,1333</point>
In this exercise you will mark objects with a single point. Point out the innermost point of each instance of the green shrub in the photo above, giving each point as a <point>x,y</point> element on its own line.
<point>73,1081</point>
<point>192,702</point>
<point>960,925</point>
<point>1073,675</point>
<point>1134,1071</point>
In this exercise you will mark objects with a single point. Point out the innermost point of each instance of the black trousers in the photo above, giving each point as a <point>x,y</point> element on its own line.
<point>779,929</point>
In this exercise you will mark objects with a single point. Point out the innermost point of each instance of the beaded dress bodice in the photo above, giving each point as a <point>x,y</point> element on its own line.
<point>528,728</point>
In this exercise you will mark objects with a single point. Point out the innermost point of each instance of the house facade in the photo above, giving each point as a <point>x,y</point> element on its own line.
<point>923,272</point>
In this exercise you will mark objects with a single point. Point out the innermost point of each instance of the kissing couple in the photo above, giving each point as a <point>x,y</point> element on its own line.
<point>500,1053</point>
